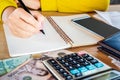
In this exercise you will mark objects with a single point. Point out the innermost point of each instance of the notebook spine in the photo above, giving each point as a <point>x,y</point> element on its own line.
<point>60,31</point>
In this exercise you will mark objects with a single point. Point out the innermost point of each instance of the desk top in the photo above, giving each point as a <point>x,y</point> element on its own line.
<point>91,49</point>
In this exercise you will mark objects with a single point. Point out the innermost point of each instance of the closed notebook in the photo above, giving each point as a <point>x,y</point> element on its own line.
<point>60,33</point>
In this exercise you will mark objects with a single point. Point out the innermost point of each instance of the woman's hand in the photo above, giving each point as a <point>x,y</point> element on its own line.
<point>21,23</point>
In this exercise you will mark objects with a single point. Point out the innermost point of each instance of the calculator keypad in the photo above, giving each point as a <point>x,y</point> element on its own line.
<point>76,66</point>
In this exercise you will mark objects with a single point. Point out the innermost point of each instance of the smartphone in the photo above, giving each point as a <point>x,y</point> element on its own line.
<point>96,26</point>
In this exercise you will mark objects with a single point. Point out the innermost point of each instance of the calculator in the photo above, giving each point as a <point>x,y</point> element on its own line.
<point>79,66</point>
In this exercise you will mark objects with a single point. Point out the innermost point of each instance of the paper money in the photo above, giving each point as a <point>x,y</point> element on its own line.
<point>31,70</point>
<point>2,68</point>
<point>10,64</point>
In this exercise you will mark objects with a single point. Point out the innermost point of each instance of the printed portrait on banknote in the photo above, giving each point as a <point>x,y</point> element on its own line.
<point>31,70</point>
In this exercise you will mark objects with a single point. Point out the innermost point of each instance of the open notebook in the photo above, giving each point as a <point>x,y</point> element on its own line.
<point>60,33</point>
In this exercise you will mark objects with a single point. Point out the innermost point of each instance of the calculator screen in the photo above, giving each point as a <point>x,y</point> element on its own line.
<point>105,76</point>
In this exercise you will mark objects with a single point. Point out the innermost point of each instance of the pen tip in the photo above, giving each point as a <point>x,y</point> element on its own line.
<point>42,31</point>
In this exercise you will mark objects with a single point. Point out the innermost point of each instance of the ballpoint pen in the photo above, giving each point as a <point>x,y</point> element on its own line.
<point>27,10</point>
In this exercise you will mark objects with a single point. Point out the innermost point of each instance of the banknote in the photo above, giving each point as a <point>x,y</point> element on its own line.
<point>10,64</point>
<point>2,68</point>
<point>33,69</point>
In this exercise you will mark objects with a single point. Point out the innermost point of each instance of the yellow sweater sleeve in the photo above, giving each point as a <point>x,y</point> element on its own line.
<point>4,4</point>
<point>78,6</point>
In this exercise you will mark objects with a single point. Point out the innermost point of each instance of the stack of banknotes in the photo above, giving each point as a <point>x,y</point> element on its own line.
<point>27,67</point>
<point>10,64</point>
<point>32,69</point>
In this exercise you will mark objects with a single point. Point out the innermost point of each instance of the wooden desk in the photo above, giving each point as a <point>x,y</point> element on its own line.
<point>92,49</point>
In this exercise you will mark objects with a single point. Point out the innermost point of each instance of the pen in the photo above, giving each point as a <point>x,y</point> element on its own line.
<point>26,9</point>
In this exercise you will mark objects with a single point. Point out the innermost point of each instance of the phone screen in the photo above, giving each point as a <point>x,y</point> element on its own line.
<point>96,26</point>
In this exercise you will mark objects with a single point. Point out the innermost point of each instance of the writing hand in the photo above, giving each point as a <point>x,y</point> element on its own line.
<point>23,24</point>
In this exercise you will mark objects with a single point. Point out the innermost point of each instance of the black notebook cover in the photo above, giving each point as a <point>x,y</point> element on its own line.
<point>111,45</point>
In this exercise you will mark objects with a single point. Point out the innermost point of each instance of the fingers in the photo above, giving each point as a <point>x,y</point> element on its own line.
<point>20,33</point>
<point>40,18</point>
<point>23,24</point>
<point>28,18</point>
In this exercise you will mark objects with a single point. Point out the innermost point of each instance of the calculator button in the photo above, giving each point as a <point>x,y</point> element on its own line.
<point>65,74</point>
<point>89,58</point>
<point>94,61</point>
<point>66,64</point>
<point>74,55</point>
<point>86,63</point>
<point>74,62</point>
<point>98,65</point>
<point>75,71</point>
<point>85,55</point>
<point>81,60</point>
<point>77,57</point>
<point>90,67</point>
<point>61,70</point>
<point>67,56</point>
<point>70,68</point>
<point>70,59</point>
<point>59,58</point>
<point>78,74</point>
<point>52,62</point>
<point>83,69</point>
<point>69,77</point>
<point>78,65</point>
<point>57,67</point>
